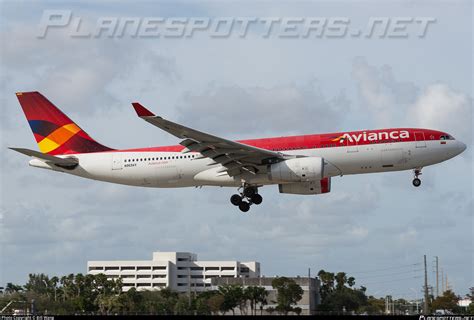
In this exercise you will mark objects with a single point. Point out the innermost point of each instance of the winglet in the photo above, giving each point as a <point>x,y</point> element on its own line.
<point>141,110</point>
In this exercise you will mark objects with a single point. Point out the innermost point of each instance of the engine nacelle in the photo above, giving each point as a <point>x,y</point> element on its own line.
<point>310,187</point>
<point>297,170</point>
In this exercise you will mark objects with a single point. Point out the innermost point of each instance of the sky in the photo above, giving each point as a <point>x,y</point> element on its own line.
<point>376,227</point>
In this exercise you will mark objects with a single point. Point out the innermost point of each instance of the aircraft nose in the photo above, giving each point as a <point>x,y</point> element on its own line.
<point>461,147</point>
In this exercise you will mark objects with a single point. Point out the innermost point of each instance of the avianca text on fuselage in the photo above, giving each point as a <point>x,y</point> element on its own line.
<point>298,164</point>
<point>373,136</point>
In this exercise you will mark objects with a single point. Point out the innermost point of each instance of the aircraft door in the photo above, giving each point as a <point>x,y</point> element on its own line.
<point>420,139</point>
<point>117,161</point>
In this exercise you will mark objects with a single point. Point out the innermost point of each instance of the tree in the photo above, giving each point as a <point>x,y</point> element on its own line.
<point>255,295</point>
<point>351,281</point>
<point>448,301</point>
<point>470,308</point>
<point>233,297</point>
<point>72,294</point>
<point>216,303</point>
<point>262,298</point>
<point>344,299</point>
<point>12,288</point>
<point>53,284</point>
<point>182,306</point>
<point>288,294</point>
<point>341,280</point>
<point>327,283</point>
<point>338,294</point>
<point>373,306</point>
<point>297,310</point>
<point>130,301</point>
<point>38,283</point>
<point>201,305</point>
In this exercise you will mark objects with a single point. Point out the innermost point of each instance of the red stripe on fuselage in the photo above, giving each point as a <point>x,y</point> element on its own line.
<point>324,140</point>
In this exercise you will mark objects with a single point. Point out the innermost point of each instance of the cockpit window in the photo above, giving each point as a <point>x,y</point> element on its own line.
<point>446,137</point>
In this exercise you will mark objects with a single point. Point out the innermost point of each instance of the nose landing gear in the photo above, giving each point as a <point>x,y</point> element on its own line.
<point>416,181</point>
<point>248,196</point>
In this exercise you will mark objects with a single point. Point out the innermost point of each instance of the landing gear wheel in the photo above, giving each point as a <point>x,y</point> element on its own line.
<point>236,199</point>
<point>256,198</point>
<point>249,192</point>
<point>416,182</point>
<point>244,206</point>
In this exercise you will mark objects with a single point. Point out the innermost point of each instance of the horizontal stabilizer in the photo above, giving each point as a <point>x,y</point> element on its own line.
<point>60,162</point>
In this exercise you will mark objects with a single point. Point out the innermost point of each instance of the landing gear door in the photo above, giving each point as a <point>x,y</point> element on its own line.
<point>420,139</point>
<point>117,161</point>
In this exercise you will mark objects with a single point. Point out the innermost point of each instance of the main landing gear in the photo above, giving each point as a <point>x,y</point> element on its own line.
<point>416,180</point>
<point>248,196</point>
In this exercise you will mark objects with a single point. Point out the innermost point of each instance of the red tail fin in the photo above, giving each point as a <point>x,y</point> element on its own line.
<point>54,132</point>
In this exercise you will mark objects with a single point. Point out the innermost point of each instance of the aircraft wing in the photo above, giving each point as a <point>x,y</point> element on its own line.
<point>60,162</point>
<point>235,157</point>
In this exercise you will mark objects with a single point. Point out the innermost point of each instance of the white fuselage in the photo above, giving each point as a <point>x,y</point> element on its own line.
<point>176,169</point>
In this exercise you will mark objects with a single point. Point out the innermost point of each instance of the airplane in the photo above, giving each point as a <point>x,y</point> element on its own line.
<point>302,165</point>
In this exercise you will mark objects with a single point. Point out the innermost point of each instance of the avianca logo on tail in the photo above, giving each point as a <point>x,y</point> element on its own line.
<point>373,136</point>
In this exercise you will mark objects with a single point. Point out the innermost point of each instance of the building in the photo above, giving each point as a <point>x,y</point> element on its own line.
<point>179,271</point>
<point>465,302</point>
<point>308,302</point>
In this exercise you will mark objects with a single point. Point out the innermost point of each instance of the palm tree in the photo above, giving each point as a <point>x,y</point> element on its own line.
<point>252,293</point>
<point>67,283</point>
<point>11,288</point>
<point>255,295</point>
<point>53,284</point>
<point>261,298</point>
<point>79,283</point>
<point>233,296</point>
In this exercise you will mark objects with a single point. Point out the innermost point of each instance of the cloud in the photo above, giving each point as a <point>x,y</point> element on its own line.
<point>84,76</point>
<point>443,108</point>
<point>264,110</point>
<point>392,102</point>
<point>380,93</point>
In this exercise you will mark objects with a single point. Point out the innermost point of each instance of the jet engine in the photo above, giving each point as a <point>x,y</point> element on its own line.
<point>297,170</point>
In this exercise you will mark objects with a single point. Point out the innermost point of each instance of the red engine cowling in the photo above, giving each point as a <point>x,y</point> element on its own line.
<point>309,187</point>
